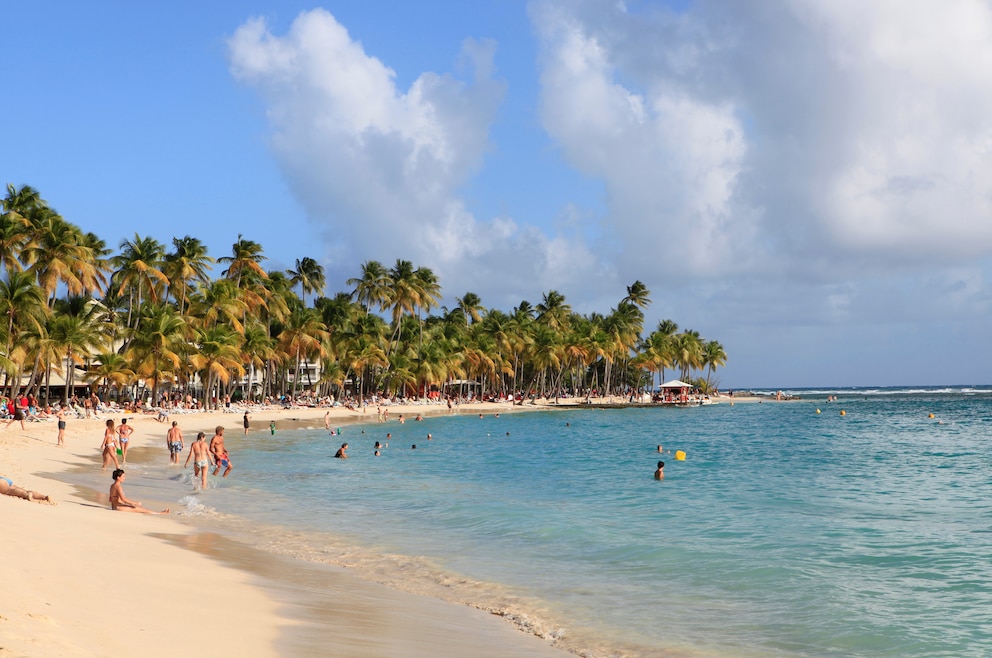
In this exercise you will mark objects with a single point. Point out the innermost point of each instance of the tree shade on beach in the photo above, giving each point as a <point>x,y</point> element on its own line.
<point>153,319</point>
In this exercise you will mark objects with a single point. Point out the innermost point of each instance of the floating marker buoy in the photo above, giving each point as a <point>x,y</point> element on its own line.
<point>843,413</point>
<point>817,411</point>
<point>930,416</point>
<point>680,455</point>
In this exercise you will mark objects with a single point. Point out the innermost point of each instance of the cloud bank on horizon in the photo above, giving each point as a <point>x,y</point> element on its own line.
<point>831,157</point>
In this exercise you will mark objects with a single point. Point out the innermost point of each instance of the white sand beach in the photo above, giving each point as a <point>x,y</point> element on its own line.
<point>82,580</point>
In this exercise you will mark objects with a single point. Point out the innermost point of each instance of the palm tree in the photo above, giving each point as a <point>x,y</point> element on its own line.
<point>110,369</point>
<point>638,295</point>
<point>303,337</point>
<point>245,258</point>
<point>188,262</point>
<point>372,288</point>
<point>714,356</point>
<point>98,255</point>
<point>138,273</point>
<point>688,349</point>
<point>76,337</point>
<point>218,356</point>
<point>157,344</point>
<point>22,303</point>
<point>218,301</point>
<point>309,274</point>
<point>553,312</point>
<point>471,307</point>
<point>661,344</point>
<point>258,349</point>
<point>14,224</point>
<point>57,253</point>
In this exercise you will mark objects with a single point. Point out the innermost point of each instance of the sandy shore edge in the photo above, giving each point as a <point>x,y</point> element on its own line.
<point>80,580</point>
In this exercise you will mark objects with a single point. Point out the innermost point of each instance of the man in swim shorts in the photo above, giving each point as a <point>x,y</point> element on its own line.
<point>221,458</point>
<point>200,453</point>
<point>174,442</point>
<point>61,417</point>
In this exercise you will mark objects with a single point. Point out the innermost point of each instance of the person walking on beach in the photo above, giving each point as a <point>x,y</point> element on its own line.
<point>61,417</point>
<point>109,445</point>
<point>246,423</point>
<point>200,453</point>
<point>327,420</point>
<point>124,433</point>
<point>20,409</point>
<point>174,442</point>
<point>217,449</point>
<point>120,503</point>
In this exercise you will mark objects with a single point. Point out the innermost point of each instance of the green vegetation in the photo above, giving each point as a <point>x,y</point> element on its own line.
<point>153,317</point>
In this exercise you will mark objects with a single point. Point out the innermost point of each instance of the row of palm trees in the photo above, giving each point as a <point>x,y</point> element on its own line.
<point>153,316</point>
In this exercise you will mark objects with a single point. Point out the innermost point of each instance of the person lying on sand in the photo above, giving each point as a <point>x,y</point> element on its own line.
<point>120,503</point>
<point>8,488</point>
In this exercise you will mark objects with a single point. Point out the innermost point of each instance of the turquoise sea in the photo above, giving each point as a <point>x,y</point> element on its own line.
<point>785,532</point>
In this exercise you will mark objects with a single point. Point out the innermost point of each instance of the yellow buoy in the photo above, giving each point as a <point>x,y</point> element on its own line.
<point>930,416</point>
<point>817,411</point>
<point>843,413</point>
<point>680,455</point>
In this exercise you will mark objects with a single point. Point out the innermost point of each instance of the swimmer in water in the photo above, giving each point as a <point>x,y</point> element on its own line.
<point>660,473</point>
<point>342,452</point>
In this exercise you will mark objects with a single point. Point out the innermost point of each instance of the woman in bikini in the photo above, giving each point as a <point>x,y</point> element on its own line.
<point>109,445</point>
<point>124,433</point>
<point>120,503</point>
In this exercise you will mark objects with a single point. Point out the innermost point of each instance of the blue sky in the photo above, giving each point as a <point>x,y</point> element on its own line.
<point>809,183</point>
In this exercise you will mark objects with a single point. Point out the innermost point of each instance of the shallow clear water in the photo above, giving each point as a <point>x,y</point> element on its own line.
<point>784,532</point>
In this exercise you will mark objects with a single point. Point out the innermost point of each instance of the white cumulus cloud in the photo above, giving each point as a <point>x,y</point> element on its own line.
<point>380,168</point>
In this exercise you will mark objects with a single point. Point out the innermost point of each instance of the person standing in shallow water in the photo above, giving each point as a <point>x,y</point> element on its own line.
<point>246,423</point>
<point>124,432</point>
<point>217,449</point>
<point>109,445</point>
<point>342,452</point>
<point>174,442</point>
<point>660,473</point>
<point>200,453</point>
